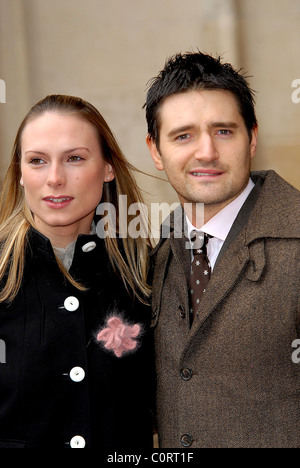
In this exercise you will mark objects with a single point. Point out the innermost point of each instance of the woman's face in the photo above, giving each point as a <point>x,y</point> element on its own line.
<point>63,171</point>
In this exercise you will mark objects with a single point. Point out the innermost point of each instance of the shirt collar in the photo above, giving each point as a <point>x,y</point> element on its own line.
<point>220,225</point>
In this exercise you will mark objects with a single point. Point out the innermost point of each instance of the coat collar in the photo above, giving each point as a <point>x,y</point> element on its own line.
<point>39,243</point>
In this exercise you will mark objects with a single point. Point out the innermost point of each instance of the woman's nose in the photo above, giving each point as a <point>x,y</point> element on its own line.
<point>56,175</point>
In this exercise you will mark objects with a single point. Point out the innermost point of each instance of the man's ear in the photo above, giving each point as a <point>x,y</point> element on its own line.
<point>253,143</point>
<point>154,153</point>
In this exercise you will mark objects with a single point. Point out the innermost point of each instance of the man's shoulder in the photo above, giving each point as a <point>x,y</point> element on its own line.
<point>277,210</point>
<point>275,184</point>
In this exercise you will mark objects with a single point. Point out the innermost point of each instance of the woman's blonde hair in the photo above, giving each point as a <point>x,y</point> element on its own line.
<point>16,218</point>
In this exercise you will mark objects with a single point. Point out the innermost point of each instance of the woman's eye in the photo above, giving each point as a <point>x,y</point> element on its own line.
<point>75,158</point>
<point>36,161</point>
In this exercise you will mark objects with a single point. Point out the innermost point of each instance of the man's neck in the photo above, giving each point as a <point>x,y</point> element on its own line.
<point>199,214</point>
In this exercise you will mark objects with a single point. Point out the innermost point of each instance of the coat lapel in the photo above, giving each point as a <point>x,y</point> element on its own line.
<point>243,216</point>
<point>159,277</point>
<point>182,257</point>
<point>172,243</point>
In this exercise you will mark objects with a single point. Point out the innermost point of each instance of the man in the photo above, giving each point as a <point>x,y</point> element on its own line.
<point>225,373</point>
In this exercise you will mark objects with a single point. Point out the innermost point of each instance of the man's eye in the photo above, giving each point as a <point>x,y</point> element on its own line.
<point>186,136</point>
<point>224,132</point>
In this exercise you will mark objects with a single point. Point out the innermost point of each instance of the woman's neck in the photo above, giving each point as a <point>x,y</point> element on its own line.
<point>62,236</point>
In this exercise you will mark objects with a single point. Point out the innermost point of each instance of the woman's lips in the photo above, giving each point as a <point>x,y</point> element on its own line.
<point>58,202</point>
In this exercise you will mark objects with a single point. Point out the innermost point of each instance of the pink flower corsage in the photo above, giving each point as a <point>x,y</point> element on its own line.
<point>119,337</point>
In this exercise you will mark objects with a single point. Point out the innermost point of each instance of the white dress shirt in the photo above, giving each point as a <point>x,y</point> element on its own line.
<point>219,226</point>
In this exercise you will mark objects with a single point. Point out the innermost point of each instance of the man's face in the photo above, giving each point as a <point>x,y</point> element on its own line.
<point>204,148</point>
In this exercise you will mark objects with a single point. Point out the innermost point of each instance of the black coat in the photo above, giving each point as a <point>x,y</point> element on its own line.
<point>58,382</point>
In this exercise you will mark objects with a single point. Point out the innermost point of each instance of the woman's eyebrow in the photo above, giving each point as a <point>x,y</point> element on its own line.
<point>66,151</point>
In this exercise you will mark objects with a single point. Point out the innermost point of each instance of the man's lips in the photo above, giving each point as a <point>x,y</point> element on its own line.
<point>206,172</point>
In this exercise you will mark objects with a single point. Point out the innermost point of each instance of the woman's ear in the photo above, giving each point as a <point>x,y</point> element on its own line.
<point>110,173</point>
<point>154,153</point>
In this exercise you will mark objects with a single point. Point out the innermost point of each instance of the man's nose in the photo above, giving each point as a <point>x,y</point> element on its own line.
<point>206,149</point>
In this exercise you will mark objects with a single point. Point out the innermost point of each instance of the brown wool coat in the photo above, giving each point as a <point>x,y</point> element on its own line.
<point>230,381</point>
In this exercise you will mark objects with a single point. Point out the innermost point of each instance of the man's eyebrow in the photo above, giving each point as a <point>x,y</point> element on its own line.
<point>183,129</point>
<point>192,127</point>
<point>221,124</point>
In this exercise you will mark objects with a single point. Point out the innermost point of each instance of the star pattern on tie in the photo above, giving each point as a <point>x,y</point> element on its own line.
<point>200,271</point>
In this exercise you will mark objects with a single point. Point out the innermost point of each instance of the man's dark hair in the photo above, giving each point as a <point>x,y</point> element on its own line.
<point>193,71</point>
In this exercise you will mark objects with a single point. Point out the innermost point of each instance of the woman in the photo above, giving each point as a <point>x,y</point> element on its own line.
<point>73,313</point>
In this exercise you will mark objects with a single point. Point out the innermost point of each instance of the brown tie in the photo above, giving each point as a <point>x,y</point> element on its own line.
<point>200,271</point>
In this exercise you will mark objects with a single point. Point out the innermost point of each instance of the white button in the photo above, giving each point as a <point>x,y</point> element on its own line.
<point>71,303</point>
<point>77,374</point>
<point>89,246</point>
<point>77,442</point>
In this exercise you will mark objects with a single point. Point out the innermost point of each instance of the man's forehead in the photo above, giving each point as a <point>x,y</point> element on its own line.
<point>183,109</point>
